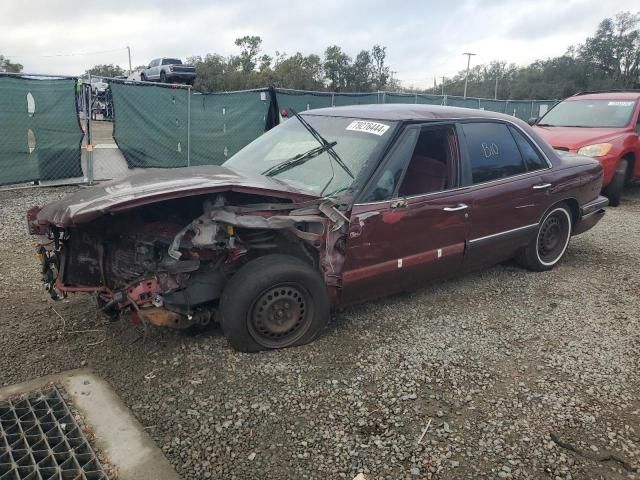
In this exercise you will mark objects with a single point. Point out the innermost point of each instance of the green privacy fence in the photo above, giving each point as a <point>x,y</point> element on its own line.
<point>303,100</point>
<point>157,126</point>
<point>40,135</point>
<point>161,125</point>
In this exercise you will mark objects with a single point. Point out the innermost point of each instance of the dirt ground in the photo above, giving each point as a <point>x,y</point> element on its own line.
<point>491,375</point>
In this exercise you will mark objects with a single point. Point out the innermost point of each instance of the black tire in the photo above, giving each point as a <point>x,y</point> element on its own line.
<point>551,241</point>
<point>143,77</point>
<point>614,190</point>
<point>272,302</point>
<point>163,77</point>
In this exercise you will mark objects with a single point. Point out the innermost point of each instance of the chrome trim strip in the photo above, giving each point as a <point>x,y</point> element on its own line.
<point>493,235</point>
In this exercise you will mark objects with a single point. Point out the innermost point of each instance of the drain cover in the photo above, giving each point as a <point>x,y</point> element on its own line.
<point>40,440</point>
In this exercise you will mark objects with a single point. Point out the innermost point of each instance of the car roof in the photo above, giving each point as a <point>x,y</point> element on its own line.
<point>605,96</point>
<point>407,112</point>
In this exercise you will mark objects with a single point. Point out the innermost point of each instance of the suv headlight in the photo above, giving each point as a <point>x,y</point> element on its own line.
<point>596,150</point>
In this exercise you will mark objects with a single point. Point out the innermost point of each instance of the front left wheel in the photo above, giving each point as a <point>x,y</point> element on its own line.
<point>273,302</point>
<point>551,241</point>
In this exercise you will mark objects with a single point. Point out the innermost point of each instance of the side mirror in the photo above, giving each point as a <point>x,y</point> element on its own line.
<point>532,121</point>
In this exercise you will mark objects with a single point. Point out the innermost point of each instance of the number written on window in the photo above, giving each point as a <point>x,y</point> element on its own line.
<point>493,153</point>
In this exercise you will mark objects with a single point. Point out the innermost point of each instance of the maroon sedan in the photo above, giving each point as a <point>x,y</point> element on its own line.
<point>335,206</point>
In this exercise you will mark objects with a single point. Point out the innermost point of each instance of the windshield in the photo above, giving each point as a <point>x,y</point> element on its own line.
<point>311,167</point>
<point>590,113</point>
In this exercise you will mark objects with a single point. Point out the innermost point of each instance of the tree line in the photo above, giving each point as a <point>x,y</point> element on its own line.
<point>610,58</point>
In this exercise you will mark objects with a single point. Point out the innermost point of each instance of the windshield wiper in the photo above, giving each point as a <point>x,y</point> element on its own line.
<point>321,140</point>
<point>298,160</point>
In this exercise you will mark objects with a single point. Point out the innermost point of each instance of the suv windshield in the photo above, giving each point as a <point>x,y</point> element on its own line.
<point>590,113</point>
<point>310,166</point>
<point>171,61</point>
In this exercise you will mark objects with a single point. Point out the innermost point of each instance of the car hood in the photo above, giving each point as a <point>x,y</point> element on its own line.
<point>154,185</point>
<point>574,138</point>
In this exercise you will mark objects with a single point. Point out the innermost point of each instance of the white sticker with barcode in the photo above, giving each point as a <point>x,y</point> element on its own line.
<point>368,127</point>
<point>620,104</point>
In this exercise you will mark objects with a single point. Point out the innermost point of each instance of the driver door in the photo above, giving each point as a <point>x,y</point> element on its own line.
<point>412,224</point>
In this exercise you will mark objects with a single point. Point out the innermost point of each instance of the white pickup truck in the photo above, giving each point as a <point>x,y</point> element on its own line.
<point>169,70</point>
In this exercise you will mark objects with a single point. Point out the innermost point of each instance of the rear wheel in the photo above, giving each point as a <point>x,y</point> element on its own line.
<point>615,188</point>
<point>547,248</point>
<point>163,77</point>
<point>275,301</point>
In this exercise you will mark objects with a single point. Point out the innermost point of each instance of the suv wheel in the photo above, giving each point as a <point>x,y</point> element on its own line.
<point>551,242</point>
<point>615,188</point>
<point>163,77</point>
<point>143,77</point>
<point>275,301</point>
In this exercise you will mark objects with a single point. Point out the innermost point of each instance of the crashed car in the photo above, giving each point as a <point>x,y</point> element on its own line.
<point>332,207</point>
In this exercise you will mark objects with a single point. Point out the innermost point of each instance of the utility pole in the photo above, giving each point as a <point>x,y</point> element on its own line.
<point>495,90</point>
<point>443,85</point>
<point>466,78</point>
<point>129,52</point>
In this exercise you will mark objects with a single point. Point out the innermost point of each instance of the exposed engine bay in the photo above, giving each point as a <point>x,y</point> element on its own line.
<point>166,263</point>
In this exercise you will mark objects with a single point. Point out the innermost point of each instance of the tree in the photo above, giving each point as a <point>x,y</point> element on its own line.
<point>615,48</point>
<point>336,67</point>
<point>381,72</point>
<point>7,65</point>
<point>361,75</point>
<point>109,70</point>
<point>250,48</point>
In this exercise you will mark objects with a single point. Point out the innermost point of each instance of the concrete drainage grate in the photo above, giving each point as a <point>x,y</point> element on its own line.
<point>40,440</point>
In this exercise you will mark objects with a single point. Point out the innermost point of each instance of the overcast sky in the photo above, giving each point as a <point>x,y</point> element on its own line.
<point>423,38</point>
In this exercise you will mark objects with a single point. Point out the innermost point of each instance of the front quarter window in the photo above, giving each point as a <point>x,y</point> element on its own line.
<point>290,153</point>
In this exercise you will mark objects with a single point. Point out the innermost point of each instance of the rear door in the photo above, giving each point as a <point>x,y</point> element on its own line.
<point>411,224</point>
<point>503,168</point>
<point>154,69</point>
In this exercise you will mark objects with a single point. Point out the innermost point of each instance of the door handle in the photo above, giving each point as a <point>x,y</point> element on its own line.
<point>457,208</point>
<point>541,186</point>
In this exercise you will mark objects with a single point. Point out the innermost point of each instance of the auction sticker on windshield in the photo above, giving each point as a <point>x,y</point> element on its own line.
<point>368,127</point>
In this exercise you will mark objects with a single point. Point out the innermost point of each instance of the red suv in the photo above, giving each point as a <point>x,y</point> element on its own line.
<point>602,125</point>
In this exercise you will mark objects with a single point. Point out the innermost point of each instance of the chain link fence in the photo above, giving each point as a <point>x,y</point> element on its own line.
<point>67,129</point>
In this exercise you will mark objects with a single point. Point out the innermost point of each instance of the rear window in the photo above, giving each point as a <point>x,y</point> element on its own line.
<point>171,61</point>
<point>493,152</point>
<point>590,113</point>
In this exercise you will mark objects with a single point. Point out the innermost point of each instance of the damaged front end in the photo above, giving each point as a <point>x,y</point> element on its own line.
<point>167,263</point>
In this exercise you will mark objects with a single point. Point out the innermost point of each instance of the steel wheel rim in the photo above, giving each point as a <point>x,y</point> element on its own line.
<point>553,236</point>
<point>280,315</point>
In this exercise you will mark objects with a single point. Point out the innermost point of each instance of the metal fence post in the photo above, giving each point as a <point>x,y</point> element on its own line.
<point>416,99</point>
<point>531,113</point>
<point>189,126</point>
<point>333,99</point>
<point>384,97</point>
<point>90,175</point>
<point>445,100</point>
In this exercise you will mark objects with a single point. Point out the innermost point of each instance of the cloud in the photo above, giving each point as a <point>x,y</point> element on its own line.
<point>423,38</point>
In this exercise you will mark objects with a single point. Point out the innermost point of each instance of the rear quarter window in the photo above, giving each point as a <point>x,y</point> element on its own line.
<point>532,158</point>
<point>493,153</point>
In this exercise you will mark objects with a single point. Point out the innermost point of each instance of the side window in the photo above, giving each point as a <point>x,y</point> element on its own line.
<point>430,169</point>
<point>386,184</point>
<point>493,152</point>
<point>531,156</point>
<point>422,161</point>
<point>154,63</point>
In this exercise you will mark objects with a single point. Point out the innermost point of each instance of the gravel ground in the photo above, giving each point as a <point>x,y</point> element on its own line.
<point>493,363</point>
